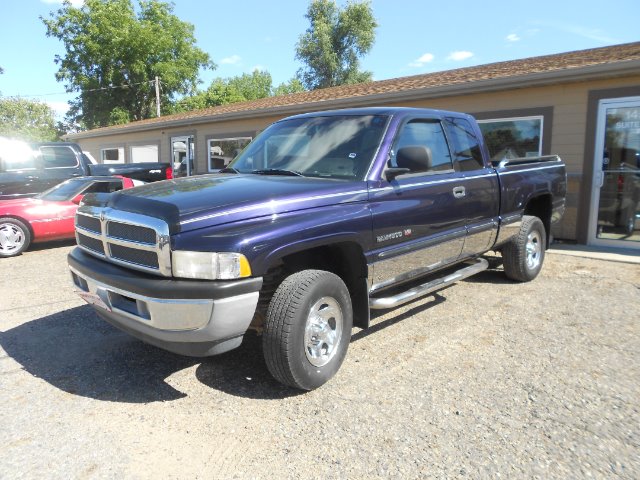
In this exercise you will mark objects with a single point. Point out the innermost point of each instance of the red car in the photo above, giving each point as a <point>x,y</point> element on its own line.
<point>49,215</point>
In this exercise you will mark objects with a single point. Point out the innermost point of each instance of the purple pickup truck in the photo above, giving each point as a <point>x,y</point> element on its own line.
<point>323,217</point>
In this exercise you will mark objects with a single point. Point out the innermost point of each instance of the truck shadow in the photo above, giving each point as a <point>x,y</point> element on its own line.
<point>419,305</point>
<point>80,354</point>
<point>243,373</point>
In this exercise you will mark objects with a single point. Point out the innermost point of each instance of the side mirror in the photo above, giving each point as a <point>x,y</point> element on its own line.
<point>392,172</point>
<point>416,158</point>
<point>77,199</point>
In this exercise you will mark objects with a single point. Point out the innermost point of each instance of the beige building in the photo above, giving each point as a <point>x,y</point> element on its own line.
<point>583,106</point>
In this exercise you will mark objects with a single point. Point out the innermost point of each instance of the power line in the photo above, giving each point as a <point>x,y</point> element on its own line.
<point>112,87</point>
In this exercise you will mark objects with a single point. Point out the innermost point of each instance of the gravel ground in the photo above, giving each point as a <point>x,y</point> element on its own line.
<point>487,378</point>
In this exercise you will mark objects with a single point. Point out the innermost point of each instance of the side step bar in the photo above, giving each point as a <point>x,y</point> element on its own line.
<point>426,288</point>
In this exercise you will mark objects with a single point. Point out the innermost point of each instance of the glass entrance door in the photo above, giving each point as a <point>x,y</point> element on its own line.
<point>615,217</point>
<point>182,155</point>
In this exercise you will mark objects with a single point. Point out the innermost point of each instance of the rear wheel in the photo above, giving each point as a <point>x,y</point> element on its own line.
<point>15,237</point>
<point>307,329</point>
<point>523,255</point>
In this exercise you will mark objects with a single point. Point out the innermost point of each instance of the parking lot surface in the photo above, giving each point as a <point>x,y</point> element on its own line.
<point>487,378</point>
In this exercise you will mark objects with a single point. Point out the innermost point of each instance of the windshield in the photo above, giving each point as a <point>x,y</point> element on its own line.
<point>64,191</point>
<point>69,189</point>
<point>340,147</point>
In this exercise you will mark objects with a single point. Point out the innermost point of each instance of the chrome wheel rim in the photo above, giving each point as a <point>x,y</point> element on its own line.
<point>11,238</point>
<point>534,250</point>
<point>323,331</point>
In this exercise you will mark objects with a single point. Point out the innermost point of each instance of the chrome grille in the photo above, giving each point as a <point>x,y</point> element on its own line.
<point>133,255</point>
<point>130,239</point>
<point>88,223</point>
<point>135,233</point>
<point>91,243</point>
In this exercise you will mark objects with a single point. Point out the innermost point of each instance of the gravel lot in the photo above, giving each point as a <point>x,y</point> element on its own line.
<point>487,378</point>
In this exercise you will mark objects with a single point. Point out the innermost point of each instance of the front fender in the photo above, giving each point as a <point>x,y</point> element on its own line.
<point>266,240</point>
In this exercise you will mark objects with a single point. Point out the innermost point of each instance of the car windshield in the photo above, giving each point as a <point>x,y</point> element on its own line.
<point>64,191</point>
<point>337,146</point>
<point>68,190</point>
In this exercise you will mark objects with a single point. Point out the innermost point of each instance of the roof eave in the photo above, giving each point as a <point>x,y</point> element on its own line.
<point>590,72</point>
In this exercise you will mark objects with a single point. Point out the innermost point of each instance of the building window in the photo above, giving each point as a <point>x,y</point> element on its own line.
<point>517,137</point>
<point>144,153</point>
<point>112,155</point>
<point>223,150</point>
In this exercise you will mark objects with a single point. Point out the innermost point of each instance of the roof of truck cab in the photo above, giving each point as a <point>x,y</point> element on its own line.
<point>379,111</point>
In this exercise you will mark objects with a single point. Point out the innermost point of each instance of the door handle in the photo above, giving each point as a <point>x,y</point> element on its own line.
<point>459,192</point>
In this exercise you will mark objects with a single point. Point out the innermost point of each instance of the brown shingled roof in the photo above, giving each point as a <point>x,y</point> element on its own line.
<point>491,71</point>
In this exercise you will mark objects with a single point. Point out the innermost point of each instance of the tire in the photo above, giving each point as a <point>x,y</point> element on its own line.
<point>630,223</point>
<point>308,329</point>
<point>15,237</point>
<point>523,255</point>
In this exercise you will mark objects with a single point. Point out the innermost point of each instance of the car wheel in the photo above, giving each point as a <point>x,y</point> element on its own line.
<point>523,255</point>
<point>15,237</point>
<point>308,329</point>
<point>630,224</point>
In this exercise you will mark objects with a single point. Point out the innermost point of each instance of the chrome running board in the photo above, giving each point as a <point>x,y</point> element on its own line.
<point>426,288</point>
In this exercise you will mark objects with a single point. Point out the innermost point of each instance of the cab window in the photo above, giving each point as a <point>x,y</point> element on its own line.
<point>420,135</point>
<point>58,157</point>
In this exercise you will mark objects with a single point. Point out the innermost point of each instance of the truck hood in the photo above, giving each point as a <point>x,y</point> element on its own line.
<point>209,200</point>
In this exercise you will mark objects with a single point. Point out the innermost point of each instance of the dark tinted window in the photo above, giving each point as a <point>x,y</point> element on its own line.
<point>466,147</point>
<point>428,134</point>
<point>56,157</point>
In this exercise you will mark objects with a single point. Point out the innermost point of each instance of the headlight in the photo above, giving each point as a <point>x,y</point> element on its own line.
<point>210,266</point>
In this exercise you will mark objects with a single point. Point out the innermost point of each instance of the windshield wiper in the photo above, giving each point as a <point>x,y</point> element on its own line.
<point>277,171</point>
<point>228,170</point>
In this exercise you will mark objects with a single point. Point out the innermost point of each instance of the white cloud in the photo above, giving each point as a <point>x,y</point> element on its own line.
<point>75,3</point>
<point>512,37</point>
<point>459,56</point>
<point>424,59</point>
<point>232,60</point>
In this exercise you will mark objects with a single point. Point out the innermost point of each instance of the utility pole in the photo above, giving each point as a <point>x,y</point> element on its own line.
<point>157,96</point>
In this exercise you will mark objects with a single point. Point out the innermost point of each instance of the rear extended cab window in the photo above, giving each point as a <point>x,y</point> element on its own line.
<point>466,146</point>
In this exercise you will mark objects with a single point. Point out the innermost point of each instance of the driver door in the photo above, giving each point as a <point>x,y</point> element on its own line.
<point>417,226</point>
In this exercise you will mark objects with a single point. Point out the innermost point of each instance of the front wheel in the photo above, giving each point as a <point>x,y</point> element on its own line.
<point>15,237</point>
<point>523,255</point>
<point>307,329</point>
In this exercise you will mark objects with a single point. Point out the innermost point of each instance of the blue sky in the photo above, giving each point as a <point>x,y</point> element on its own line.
<point>413,37</point>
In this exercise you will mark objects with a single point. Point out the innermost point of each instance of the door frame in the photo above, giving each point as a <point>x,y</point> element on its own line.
<point>598,175</point>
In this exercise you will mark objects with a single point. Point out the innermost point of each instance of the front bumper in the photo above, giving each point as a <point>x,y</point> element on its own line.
<point>189,317</point>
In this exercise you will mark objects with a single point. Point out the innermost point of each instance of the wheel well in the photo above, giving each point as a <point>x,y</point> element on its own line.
<point>541,207</point>
<point>26,223</point>
<point>344,259</point>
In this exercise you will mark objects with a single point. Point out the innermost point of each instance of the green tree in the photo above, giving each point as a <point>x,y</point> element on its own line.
<point>223,91</point>
<point>252,86</point>
<point>113,54</point>
<point>27,119</point>
<point>292,86</point>
<point>334,42</point>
